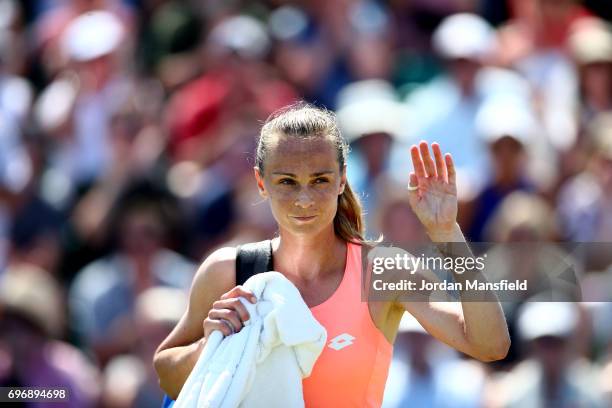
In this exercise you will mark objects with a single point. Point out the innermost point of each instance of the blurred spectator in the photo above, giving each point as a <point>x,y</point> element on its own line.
<point>35,223</point>
<point>417,20</point>
<point>370,55</point>
<point>77,106</point>
<point>522,217</point>
<point>169,36</point>
<point>506,126</point>
<point>584,204</point>
<point>238,87</point>
<point>55,18</point>
<point>414,24</point>
<point>13,54</point>
<point>16,95</point>
<point>35,236</point>
<point>304,57</point>
<point>444,110</point>
<point>153,327</point>
<point>425,373</point>
<point>590,44</point>
<point>552,376</point>
<point>103,294</point>
<point>539,26</point>
<point>31,319</point>
<point>136,147</point>
<point>130,380</point>
<point>524,225</point>
<point>534,42</point>
<point>15,174</point>
<point>221,200</point>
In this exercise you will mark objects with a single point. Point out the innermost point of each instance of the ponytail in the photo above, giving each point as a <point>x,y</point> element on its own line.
<point>348,223</point>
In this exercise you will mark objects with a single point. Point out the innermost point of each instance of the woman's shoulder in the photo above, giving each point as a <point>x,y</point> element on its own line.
<point>225,255</point>
<point>220,265</point>
<point>218,269</point>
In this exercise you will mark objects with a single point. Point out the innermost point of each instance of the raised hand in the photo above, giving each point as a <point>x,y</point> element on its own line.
<point>432,188</point>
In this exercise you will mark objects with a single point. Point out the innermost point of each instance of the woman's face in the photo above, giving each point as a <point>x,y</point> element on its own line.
<point>302,180</point>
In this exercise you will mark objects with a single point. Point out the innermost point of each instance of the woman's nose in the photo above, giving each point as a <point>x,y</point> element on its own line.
<point>304,199</point>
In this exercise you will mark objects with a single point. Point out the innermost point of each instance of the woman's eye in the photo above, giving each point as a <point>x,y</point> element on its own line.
<point>286,181</point>
<point>321,180</point>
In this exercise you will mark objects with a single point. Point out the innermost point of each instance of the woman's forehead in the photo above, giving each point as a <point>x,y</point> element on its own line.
<point>286,152</point>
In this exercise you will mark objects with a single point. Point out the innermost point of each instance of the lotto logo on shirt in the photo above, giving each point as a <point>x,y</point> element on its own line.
<point>341,341</point>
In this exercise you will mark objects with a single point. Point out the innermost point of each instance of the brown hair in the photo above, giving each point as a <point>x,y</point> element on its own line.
<point>307,121</point>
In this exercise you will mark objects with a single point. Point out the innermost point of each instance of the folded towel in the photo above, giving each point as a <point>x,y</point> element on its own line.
<point>262,365</point>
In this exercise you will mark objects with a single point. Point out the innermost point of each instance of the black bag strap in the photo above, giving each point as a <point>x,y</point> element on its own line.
<point>253,258</point>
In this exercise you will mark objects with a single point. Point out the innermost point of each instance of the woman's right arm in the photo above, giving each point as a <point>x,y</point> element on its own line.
<point>211,298</point>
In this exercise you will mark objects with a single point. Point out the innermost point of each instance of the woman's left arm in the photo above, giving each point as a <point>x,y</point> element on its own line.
<point>477,328</point>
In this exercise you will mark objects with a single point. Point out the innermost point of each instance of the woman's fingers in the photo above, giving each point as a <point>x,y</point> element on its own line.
<point>233,304</point>
<point>231,316</point>
<point>440,165</point>
<point>413,182</point>
<point>240,291</point>
<point>417,162</point>
<point>211,325</point>
<point>430,168</point>
<point>425,166</point>
<point>228,314</point>
<point>450,166</point>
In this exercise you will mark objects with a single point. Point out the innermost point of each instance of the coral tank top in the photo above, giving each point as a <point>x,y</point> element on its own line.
<point>352,369</point>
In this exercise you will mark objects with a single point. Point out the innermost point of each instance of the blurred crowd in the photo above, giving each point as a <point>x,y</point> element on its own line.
<point>127,129</point>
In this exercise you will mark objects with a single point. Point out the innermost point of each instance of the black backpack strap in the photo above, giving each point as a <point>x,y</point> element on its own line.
<point>253,258</point>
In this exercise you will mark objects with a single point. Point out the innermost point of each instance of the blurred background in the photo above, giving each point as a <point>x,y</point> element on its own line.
<point>126,136</point>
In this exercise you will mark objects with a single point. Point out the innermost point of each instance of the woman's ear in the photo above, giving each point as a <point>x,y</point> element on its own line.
<point>260,183</point>
<point>342,180</point>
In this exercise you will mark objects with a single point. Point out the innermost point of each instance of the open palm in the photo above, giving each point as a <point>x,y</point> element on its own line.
<point>433,188</point>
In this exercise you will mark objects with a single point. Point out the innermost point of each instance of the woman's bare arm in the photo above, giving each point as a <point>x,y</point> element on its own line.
<point>177,354</point>
<point>476,328</point>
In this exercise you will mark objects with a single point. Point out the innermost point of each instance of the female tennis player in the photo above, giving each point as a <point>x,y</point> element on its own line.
<point>301,170</point>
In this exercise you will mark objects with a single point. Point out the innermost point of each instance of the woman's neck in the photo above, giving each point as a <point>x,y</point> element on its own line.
<point>309,257</point>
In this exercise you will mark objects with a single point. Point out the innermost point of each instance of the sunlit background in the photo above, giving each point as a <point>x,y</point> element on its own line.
<point>126,137</point>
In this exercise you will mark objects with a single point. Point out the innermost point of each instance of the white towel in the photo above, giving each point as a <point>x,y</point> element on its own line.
<point>262,365</point>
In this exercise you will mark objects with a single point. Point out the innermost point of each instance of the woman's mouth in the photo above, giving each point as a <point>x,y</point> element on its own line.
<point>303,218</point>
